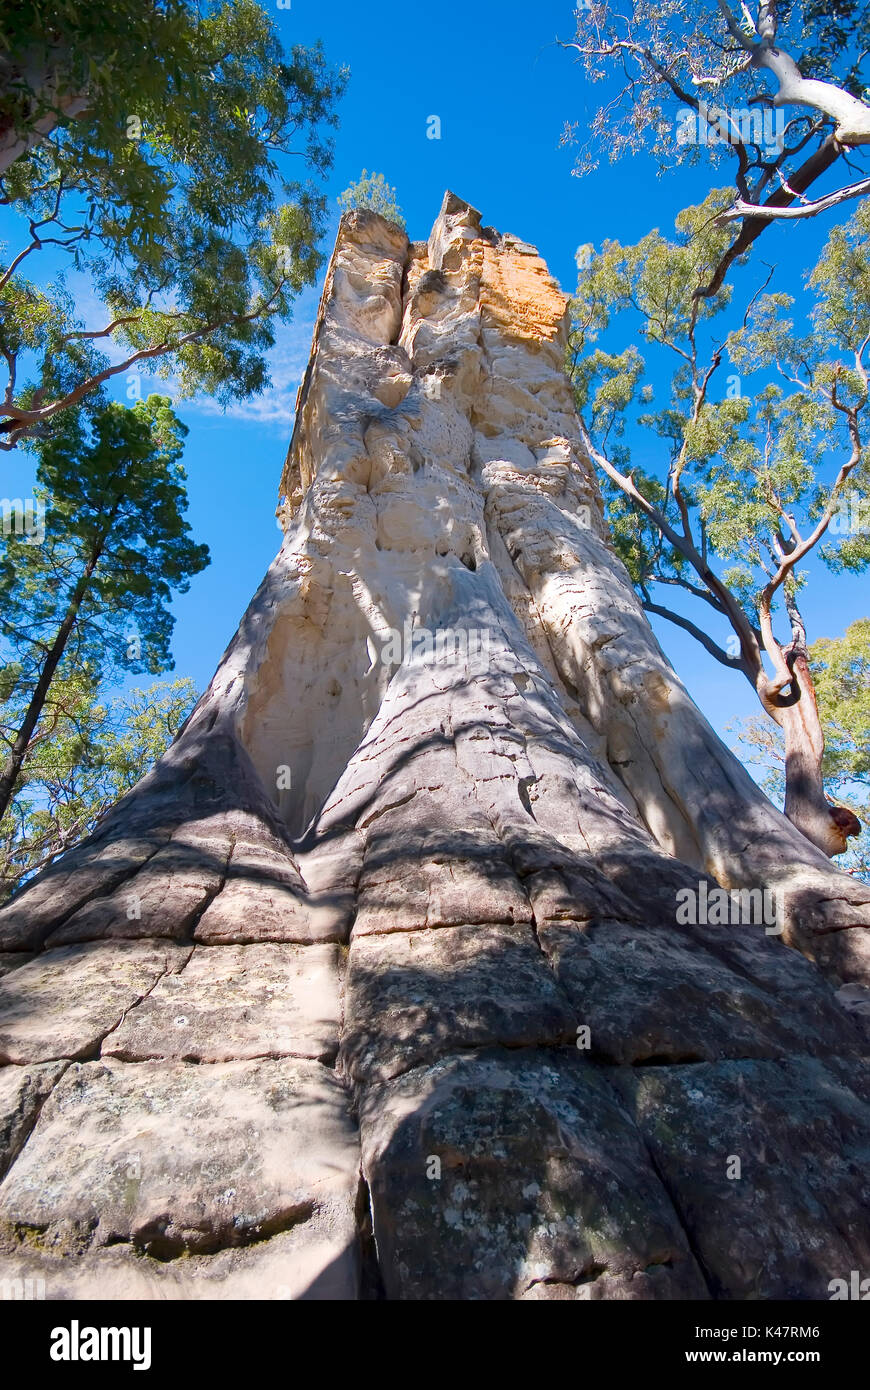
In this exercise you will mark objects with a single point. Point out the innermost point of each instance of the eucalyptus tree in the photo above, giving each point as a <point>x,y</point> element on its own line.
<point>841,674</point>
<point>168,154</point>
<point>87,751</point>
<point>372,191</point>
<point>752,481</point>
<point>778,88</point>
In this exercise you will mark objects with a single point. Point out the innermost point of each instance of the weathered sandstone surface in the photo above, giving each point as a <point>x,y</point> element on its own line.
<point>376,984</point>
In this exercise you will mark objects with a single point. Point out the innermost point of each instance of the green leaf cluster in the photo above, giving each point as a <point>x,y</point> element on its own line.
<point>372,191</point>
<point>87,753</point>
<point>751,422</point>
<point>116,542</point>
<point>170,191</point>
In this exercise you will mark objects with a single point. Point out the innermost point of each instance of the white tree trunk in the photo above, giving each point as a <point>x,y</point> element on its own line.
<point>379,982</point>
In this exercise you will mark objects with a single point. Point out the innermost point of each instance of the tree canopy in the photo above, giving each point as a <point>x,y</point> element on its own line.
<point>778,89</point>
<point>86,753</point>
<point>372,191</point>
<point>93,596</point>
<point>150,147</point>
<point>755,463</point>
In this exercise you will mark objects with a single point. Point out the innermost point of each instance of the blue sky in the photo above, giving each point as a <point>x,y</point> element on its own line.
<point>503,90</point>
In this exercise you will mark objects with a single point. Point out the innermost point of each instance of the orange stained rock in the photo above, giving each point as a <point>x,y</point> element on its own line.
<point>519,295</point>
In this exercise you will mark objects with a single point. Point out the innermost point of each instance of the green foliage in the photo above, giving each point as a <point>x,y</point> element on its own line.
<point>839,41</point>
<point>659,56</point>
<point>842,282</point>
<point>753,459</point>
<point>841,670</point>
<point>639,544</point>
<point>168,191</point>
<point>86,754</point>
<point>89,596</point>
<point>372,191</point>
<point>116,542</point>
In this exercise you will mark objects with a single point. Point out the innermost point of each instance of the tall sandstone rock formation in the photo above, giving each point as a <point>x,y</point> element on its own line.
<point>375,986</point>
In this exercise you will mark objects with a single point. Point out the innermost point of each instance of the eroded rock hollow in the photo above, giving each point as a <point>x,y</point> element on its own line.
<point>376,985</point>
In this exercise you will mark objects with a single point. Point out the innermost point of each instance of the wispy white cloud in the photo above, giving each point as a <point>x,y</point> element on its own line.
<point>286,362</point>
